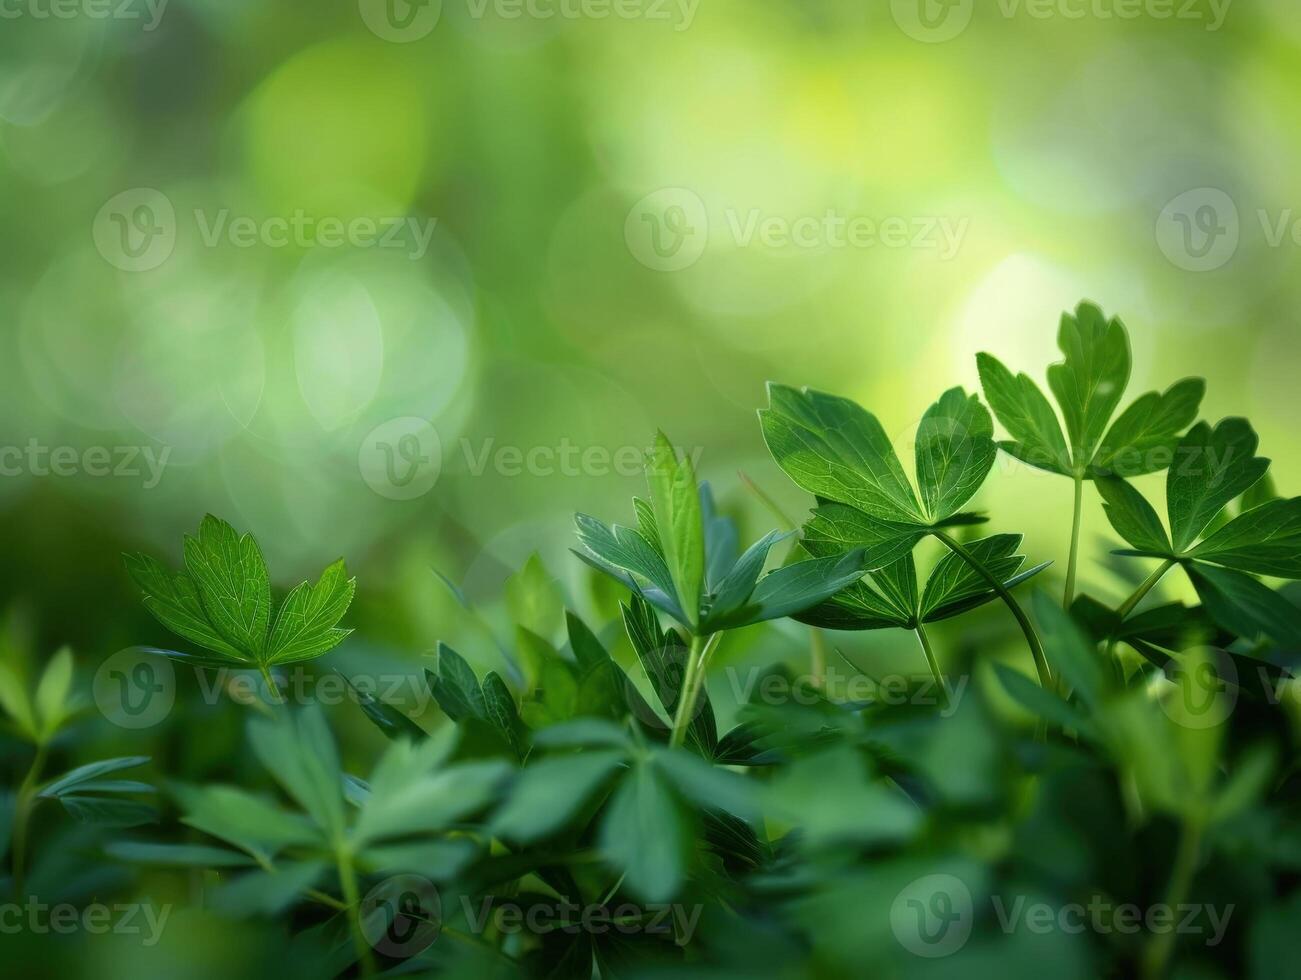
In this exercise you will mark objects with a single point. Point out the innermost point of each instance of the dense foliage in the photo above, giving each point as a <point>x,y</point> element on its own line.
<point>1122,800</point>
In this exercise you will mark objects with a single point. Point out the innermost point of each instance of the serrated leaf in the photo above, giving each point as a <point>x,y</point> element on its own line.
<point>1133,517</point>
<point>837,450</point>
<point>1089,384</point>
<point>675,499</point>
<point>1026,414</point>
<point>305,626</point>
<point>1144,436</point>
<point>233,584</point>
<point>626,555</point>
<point>954,452</point>
<point>174,601</point>
<point>953,579</point>
<point>836,529</point>
<point>1265,540</point>
<point>1211,467</point>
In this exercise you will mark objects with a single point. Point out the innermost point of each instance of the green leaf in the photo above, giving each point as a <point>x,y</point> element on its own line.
<point>955,451</point>
<point>1069,651</point>
<point>456,688</point>
<point>1043,703</point>
<point>249,822</point>
<point>265,894</point>
<point>107,811</point>
<point>1211,467</point>
<point>392,721</point>
<point>1144,436</point>
<point>1265,540</point>
<point>722,540</point>
<point>233,584</point>
<point>953,579</point>
<point>795,588</point>
<point>738,582</point>
<point>588,650</point>
<point>305,622</point>
<point>836,529</point>
<point>556,698</point>
<point>52,692</point>
<point>676,502</point>
<point>501,710</point>
<point>1089,384</point>
<point>176,855</point>
<point>626,555</point>
<point>17,704</point>
<point>1133,517</point>
<point>707,785</point>
<point>1026,414</point>
<point>1249,780</point>
<point>298,750</point>
<point>174,601</point>
<point>533,598</point>
<point>664,658</point>
<point>1244,606</point>
<point>550,792</point>
<point>837,450</point>
<point>644,834</point>
<point>410,793</point>
<point>93,770</point>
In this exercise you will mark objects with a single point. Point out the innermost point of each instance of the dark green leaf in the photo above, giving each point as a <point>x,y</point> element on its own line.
<point>392,721</point>
<point>954,452</point>
<point>1089,384</point>
<point>456,688</point>
<point>1133,517</point>
<point>644,834</point>
<point>1211,467</point>
<point>74,779</point>
<point>549,792</point>
<point>1026,414</point>
<point>1265,540</point>
<point>1143,438</point>
<point>1068,651</point>
<point>675,499</point>
<point>1244,606</point>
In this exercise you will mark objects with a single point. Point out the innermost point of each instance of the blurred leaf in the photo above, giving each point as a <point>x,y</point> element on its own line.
<point>533,598</point>
<point>548,793</point>
<point>644,835</point>
<point>298,750</point>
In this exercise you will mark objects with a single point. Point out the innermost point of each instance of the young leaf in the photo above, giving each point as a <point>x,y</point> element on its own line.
<point>675,499</point>
<point>953,580</point>
<point>1089,384</point>
<point>233,584</point>
<point>1265,540</point>
<point>1133,517</point>
<point>1144,436</point>
<point>1211,467</point>
<point>305,622</point>
<point>52,692</point>
<point>955,450</point>
<point>174,601</point>
<point>837,450</point>
<point>456,688</point>
<point>1026,414</point>
<point>17,704</point>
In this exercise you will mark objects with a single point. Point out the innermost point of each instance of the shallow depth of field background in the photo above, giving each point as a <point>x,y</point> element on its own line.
<point>1145,161</point>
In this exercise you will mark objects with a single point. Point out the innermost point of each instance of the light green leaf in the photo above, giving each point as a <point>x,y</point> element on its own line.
<point>644,834</point>
<point>955,450</point>
<point>52,692</point>
<point>1265,540</point>
<point>836,529</point>
<point>675,499</point>
<point>298,750</point>
<point>305,622</point>
<point>1143,438</point>
<point>173,599</point>
<point>548,793</point>
<point>250,822</point>
<point>533,598</point>
<point>17,704</point>
<point>1026,414</point>
<point>1211,467</point>
<point>794,588</point>
<point>837,450</point>
<point>953,579</point>
<point>234,587</point>
<point>1089,384</point>
<point>1133,517</point>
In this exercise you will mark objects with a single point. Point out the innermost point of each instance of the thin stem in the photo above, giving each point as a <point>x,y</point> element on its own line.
<point>1156,957</point>
<point>697,658</point>
<point>1149,583</point>
<point>1073,557</point>
<point>1031,638</point>
<point>351,898</point>
<point>273,691</point>
<point>934,664</point>
<point>817,657</point>
<point>23,806</point>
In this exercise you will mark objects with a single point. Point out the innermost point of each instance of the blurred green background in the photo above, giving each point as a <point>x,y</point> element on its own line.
<point>215,271</point>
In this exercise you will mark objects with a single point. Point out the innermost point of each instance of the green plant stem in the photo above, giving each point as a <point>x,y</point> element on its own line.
<point>1031,637</point>
<point>1149,583</point>
<point>1074,555</point>
<point>273,692</point>
<point>351,898</point>
<point>697,659</point>
<point>23,806</point>
<point>1156,957</point>
<point>934,664</point>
